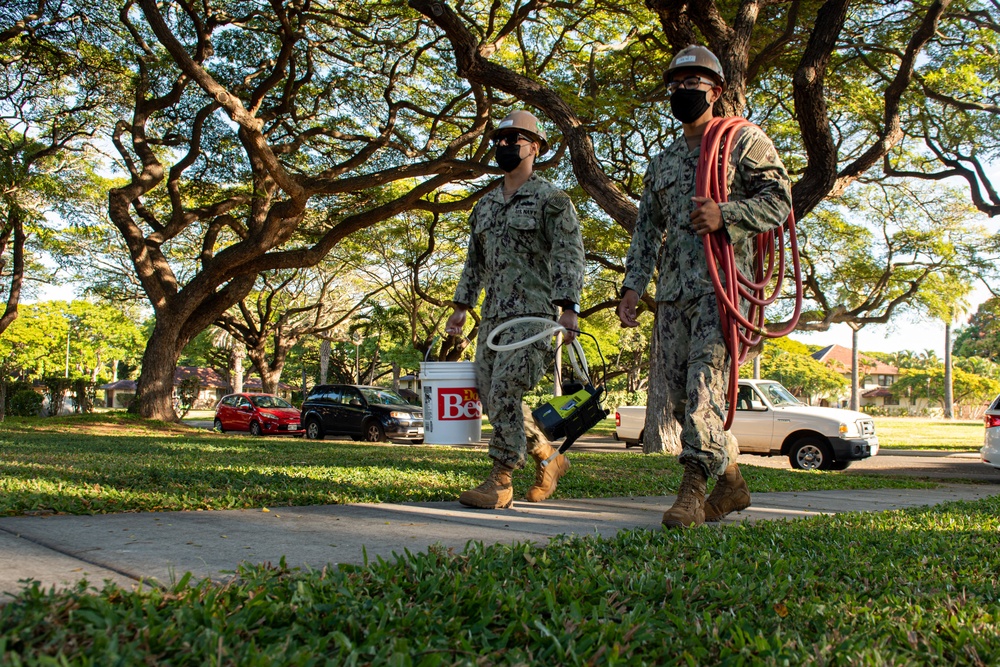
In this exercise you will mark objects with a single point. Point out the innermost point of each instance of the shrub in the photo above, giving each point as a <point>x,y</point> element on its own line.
<point>25,403</point>
<point>187,394</point>
<point>57,387</point>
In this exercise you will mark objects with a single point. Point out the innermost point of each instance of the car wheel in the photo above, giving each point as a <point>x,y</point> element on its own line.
<point>255,429</point>
<point>810,454</point>
<point>418,441</point>
<point>313,430</point>
<point>374,432</point>
<point>218,426</point>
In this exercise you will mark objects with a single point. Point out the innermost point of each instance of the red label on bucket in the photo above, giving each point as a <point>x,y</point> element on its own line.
<point>458,403</point>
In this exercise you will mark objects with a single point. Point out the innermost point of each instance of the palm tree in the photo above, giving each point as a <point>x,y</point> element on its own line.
<point>222,339</point>
<point>902,359</point>
<point>927,359</point>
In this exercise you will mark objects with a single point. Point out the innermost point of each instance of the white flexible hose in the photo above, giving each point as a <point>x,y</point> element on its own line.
<point>576,355</point>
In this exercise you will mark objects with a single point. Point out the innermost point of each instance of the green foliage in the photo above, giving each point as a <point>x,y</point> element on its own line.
<point>790,345</point>
<point>24,403</point>
<point>98,334</point>
<point>981,337</point>
<point>929,383</point>
<point>769,593</point>
<point>789,363</point>
<point>154,466</point>
<point>978,366</point>
<point>881,249</point>
<point>202,350</point>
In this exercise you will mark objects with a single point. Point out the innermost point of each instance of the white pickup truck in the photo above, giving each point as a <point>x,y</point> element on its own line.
<point>770,421</point>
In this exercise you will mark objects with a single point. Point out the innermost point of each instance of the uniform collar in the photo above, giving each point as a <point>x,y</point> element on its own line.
<point>680,147</point>
<point>527,188</point>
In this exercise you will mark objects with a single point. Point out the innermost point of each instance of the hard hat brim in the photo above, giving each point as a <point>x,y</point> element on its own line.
<point>719,81</point>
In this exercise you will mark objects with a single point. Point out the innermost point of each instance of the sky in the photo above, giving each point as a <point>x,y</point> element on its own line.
<point>907,333</point>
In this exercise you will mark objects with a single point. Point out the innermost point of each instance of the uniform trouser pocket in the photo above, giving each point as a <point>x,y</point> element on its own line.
<point>503,378</point>
<point>696,373</point>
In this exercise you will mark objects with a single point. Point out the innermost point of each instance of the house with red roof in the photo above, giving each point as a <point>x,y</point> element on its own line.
<point>213,387</point>
<point>874,378</point>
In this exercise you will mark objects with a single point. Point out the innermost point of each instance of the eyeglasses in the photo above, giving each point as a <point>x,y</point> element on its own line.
<point>690,83</point>
<point>510,138</point>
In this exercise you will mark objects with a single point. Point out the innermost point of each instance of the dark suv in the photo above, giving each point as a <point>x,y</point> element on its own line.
<point>363,413</point>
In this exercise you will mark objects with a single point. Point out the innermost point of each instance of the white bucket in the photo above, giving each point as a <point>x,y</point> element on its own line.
<point>453,414</point>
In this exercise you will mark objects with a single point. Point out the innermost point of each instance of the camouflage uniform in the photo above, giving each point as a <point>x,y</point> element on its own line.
<point>687,318</point>
<point>527,253</point>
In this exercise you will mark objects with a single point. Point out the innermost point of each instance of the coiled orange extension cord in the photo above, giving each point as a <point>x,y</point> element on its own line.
<point>742,333</point>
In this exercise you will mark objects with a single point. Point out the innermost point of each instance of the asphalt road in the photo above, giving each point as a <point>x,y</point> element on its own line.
<point>910,463</point>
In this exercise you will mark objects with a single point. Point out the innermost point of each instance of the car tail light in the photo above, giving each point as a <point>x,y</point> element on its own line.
<point>618,419</point>
<point>992,421</point>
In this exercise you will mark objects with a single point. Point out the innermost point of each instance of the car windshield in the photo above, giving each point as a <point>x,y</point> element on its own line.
<point>383,397</point>
<point>270,402</point>
<point>778,395</point>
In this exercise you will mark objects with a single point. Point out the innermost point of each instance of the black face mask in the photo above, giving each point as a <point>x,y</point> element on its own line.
<point>508,157</point>
<point>687,106</point>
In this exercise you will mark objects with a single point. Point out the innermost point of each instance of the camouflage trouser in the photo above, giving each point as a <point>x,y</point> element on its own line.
<point>502,379</point>
<point>696,369</point>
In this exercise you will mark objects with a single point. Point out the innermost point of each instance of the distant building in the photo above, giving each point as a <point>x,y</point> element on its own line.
<point>252,385</point>
<point>213,387</point>
<point>874,380</point>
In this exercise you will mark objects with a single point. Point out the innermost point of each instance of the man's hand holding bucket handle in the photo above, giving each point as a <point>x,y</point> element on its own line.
<point>571,322</point>
<point>456,323</point>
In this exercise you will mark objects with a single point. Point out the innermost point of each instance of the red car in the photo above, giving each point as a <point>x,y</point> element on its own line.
<point>260,414</point>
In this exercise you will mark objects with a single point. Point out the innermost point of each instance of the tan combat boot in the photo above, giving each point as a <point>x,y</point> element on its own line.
<point>730,494</point>
<point>689,508</point>
<point>546,477</point>
<point>497,492</point>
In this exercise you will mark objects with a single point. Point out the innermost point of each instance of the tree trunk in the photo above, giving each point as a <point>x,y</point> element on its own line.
<point>269,369</point>
<point>13,227</point>
<point>756,367</point>
<point>855,393</point>
<point>395,376</point>
<point>324,360</point>
<point>155,388</point>
<point>237,374</point>
<point>661,432</point>
<point>269,380</point>
<point>949,398</point>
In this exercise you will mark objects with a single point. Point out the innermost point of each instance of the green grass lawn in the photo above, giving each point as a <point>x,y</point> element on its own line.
<point>912,587</point>
<point>115,463</point>
<point>916,433</point>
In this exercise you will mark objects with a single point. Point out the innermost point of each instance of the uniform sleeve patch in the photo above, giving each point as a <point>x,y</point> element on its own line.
<point>758,152</point>
<point>558,202</point>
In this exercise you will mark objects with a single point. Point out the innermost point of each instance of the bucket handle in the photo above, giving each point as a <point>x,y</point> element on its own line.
<point>430,347</point>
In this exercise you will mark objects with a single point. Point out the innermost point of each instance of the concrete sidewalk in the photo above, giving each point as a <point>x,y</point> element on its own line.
<point>162,546</point>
